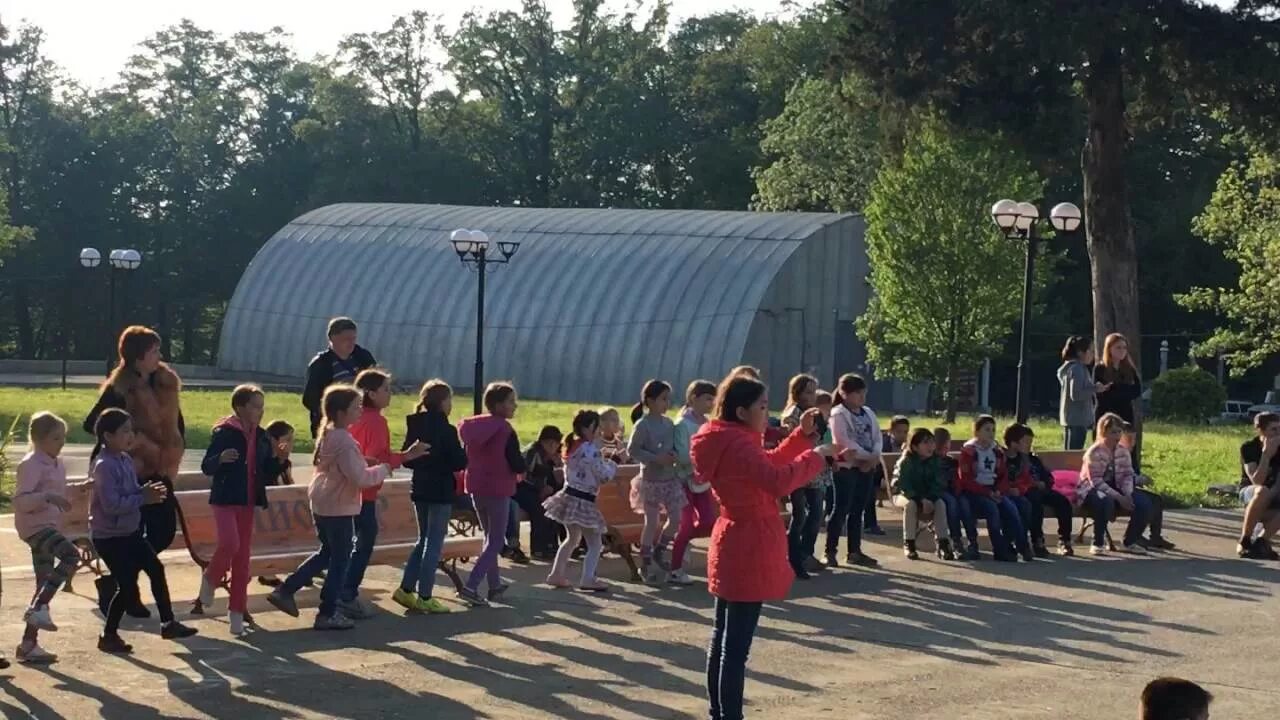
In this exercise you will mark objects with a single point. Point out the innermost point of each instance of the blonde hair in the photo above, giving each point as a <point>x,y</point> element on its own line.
<point>1107,423</point>
<point>42,424</point>
<point>337,399</point>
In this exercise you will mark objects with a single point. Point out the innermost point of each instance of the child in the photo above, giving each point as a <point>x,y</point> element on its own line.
<point>610,439</point>
<point>894,441</point>
<point>575,505</point>
<point>1156,525</point>
<point>1106,481</point>
<point>826,497</point>
<point>372,434</point>
<point>432,494</point>
<point>240,459</point>
<point>542,458</point>
<point>1170,698</point>
<point>958,514</point>
<point>656,489</point>
<point>340,474</point>
<point>39,500</point>
<point>281,434</point>
<point>115,519</point>
<point>699,513</point>
<point>806,502</point>
<point>984,483</point>
<point>919,484</point>
<point>338,363</point>
<point>493,463</point>
<point>854,427</point>
<point>1034,485</point>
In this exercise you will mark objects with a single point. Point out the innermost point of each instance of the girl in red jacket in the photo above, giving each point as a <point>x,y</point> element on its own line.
<point>373,436</point>
<point>747,562</point>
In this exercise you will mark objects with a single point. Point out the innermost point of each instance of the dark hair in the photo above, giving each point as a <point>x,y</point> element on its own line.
<point>796,387</point>
<point>340,325</point>
<point>919,436</point>
<point>651,391</point>
<point>697,389</point>
<point>899,420</point>
<point>242,394</point>
<point>369,381</point>
<point>940,432</point>
<point>1128,428</point>
<point>279,428</point>
<point>433,394</point>
<point>110,421</point>
<point>497,393</point>
<point>1075,347</point>
<point>849,383</point>
<point>982,420</point>
<point>735,392</point>
<point>1170,698</point>
<point>1264,420</point>
<point>582,421</point>
<point>822,398</point>
<point>135,341</point>
<point>1016,432</point>
<point>550,432</point>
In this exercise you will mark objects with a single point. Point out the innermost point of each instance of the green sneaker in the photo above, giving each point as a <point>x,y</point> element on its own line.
<point>405,599</point>
<point>432,606</point>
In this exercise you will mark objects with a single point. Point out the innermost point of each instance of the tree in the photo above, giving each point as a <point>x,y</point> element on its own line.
<point>944,279</point>
<point>1243,218</point>
<point>1044,70</point>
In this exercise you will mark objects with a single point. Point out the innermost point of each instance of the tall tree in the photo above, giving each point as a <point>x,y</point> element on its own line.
<point>1041,68</point>
<point>941,273</point>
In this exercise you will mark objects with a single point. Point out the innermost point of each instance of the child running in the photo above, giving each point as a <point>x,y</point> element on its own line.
<point>240,459</point>
<point>656,489</point>
<point>340,474</point>
<point>39,501</point>
<point>115,525</point>
<point>699,514</point>
<point>432,494</point>
<point>575,505</point>
<point>372,434</point>
<point>919,484</point>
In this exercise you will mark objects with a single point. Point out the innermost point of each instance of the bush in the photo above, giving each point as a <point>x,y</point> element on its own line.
<point>1188,394</point>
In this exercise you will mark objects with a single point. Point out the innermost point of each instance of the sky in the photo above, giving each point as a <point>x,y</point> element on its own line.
<point>92,39</point>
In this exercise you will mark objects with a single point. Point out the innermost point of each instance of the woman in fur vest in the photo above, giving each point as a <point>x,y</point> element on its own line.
<point>148,390</point>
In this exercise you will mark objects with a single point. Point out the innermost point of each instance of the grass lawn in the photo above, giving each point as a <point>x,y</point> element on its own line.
<point>1182,459</point>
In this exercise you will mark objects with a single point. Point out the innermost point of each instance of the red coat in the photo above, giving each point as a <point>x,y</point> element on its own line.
<point>747,561</point>
<point>965,481</point>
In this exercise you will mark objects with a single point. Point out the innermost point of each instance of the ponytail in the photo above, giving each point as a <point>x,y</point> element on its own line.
<point>583,421</point>
<point>849,384</point>
<point>652,390</point>
<point>371,381</point>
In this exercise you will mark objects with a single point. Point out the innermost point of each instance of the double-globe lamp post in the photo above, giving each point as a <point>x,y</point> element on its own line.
<point>127,259</point>
<point>473,248</point>
<point>1018,221</point>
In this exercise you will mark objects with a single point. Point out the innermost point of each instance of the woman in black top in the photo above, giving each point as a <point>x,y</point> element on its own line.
<point>1119,375</point>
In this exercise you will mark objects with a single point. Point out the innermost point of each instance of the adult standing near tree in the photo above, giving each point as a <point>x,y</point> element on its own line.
<point>148,389</point>
<point>1117,373</point>
<point>338,363</point>
<point>1078,396</point>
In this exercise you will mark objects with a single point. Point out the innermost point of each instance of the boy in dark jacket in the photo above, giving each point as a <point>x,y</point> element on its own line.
<point>1034,484</point>
<point>959,515</point>
<point>339,363</point>
<point>542,458</point>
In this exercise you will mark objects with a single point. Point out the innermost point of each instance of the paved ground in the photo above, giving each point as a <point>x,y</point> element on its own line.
<point>1068,638</point>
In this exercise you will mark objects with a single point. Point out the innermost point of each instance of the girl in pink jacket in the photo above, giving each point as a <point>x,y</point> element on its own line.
<point>1106,483</point>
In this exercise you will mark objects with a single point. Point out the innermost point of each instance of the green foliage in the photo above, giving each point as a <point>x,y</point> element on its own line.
<point>1243,219</point>
<point>1188,394</point>
<point>947,283</point>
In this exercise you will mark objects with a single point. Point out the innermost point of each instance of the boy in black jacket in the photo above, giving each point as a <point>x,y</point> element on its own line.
<point>542,458</point>
<point>339,363</point>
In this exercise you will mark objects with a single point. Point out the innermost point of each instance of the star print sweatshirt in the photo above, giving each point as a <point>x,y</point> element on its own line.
<point>982,469</point>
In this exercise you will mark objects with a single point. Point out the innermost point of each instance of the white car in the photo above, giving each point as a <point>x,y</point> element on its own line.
<point>1235,411</point>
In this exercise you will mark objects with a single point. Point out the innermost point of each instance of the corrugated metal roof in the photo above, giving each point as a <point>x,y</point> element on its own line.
<point>594,302</point>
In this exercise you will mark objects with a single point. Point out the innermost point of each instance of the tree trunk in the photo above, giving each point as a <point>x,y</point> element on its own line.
<point>1112,256</point>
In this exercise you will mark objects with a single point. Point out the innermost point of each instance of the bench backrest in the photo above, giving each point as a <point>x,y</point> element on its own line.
<point>1053,460</point>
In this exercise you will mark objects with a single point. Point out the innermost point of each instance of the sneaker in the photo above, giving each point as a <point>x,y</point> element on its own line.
<point>472,598</point>
<point>813,565</point>
<point>680,577</point>
<point>114,644</point>
<point>354,609</point>
<point>1263,550</point>
<point>596,586</point>
<point>1158,542</point>
<point>1028,555</point>
<point>1065,549</point>
<point>1244,548</point>
<point>496,593</point>
<point>206,590</point>
<point>1097,550</point>
<point>39,619</point>
<point>873,530</point>
<point>972,553</point>
<point>909,549</point>
<point>544,556</point>
<point>433,606</point>
<point>945,550</point>
<point>33,654</point>
<point>4,662</point>
<point>832,561</point>
<point>336,621</point>
<point>1134,549</point>
<point>139,611</point>
<point>270,581</point>
<point>559,582</point>
<point>517,556</point>
<point>860,560</point>
<point>406,599</point>
<point>654,575</point>
<point>1041,551</point>
<point>174,630</point>
<point>237,623</point>
<point>283,601</point>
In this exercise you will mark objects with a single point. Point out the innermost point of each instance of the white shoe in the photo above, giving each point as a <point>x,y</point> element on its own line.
<point>39,618</point>
<point>238,627</point>
<point>206,590</point>
<point>34,655</point>
<point>680,577</point>
<point>1097,550</point>
<point>1135,549</point>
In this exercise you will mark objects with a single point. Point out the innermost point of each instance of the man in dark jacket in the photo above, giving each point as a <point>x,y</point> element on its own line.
<point>340,363</point>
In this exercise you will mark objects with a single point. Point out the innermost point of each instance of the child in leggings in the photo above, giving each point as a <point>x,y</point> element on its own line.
<point>115,524</point>
<point>38,502</point>
<point>699,514</point>
<point>574,506</point>
<point>656,489</point>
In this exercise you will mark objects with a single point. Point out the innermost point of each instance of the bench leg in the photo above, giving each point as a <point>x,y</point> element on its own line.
<point>89,560</point>
<point>450,568</point>
<point>624,550</point>
<point>1084,527</point>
